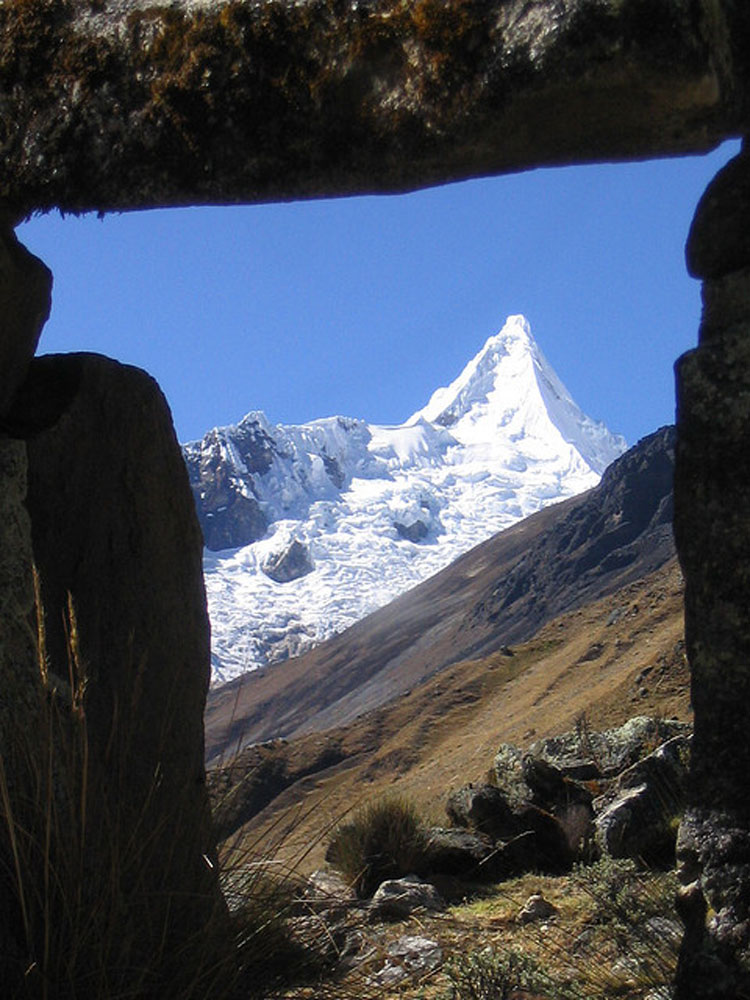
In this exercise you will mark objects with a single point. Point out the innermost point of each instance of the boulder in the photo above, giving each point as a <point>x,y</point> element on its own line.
<point>551,787</point>
<point>535,908</point>
<point>541,843</point>
<point>324,891</point>
<point>396,899</point>
<point>415,531</point>
<point>483,808</point>
<point>586,754</point>
<point>290,564</point>
<point>118,552</point>
<point>461,853</point>
<point>638,818</point>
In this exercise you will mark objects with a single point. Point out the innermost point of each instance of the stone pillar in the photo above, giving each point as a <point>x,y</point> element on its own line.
<point>118,551</point>
<point>712,531</point>
<point>25,298</point>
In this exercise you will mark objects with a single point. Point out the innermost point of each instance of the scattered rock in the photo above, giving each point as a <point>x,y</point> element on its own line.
<point>536,907</point>
<point>409,956</point>
<point>413,532</point>
<point>290,564</point>
<point>398,898</point>
<point>325,892</point>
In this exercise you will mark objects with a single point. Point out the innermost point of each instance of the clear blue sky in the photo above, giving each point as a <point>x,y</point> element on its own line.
<point>363,306</point>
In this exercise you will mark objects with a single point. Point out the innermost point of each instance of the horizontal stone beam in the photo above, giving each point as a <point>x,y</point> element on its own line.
<point>113,105</point>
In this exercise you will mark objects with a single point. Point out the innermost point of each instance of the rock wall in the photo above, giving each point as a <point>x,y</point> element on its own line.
<point>712,530</point>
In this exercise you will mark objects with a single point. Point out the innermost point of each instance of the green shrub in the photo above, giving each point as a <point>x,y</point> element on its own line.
<point>383,840</point>
<point>490,975</point>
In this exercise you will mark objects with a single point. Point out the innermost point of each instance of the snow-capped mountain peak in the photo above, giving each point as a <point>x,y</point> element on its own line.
<point>505,356</point>
<point>510,385</point>
<point>314,526</point>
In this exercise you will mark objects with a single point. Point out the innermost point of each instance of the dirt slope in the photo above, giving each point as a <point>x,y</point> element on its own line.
<point>611,659</point>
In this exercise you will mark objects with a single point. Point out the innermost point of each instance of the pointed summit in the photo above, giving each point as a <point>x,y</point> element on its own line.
<point>510,391</point>
<point>503,357</point>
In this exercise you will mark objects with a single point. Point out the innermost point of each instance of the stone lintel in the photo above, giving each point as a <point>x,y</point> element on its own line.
<point>106,105</point>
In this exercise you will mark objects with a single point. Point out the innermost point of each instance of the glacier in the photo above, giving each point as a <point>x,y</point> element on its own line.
<point>377,509</point>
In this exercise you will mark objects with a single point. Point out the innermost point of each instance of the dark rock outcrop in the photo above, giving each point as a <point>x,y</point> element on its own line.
<point>462,853</point>
<point>118,551</point>
<point>290,564</point>
<point>483,808</point>
<point>638,819</point>
<point>543,815</point>
<point>228,513</point>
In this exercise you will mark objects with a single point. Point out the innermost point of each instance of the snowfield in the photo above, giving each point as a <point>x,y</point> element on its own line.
<point>379,509</point>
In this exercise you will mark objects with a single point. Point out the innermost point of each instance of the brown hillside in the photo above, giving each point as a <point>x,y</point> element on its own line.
<point>503,591</point>
<point>614,658</point>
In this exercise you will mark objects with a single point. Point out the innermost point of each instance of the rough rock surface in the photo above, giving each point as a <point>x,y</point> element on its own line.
<point>536,907</point>
<point>19,667</point>
<point>398,898</point>
<point>290,564</point>
<point>228,513</point>
<point>112,106</point>
<point>484,808</point>
<point>410,955</point>
<point>544,806</point>
<point>25,301</point>
<point>461,853</point>
<point>712,530</point>
<point>639,820</point>
<point>118,551</point>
